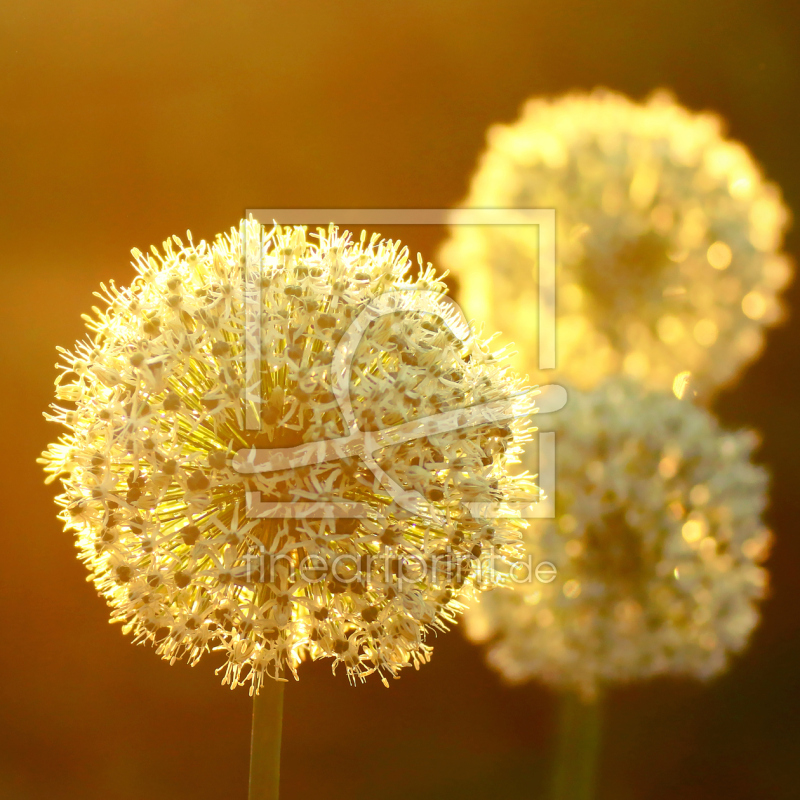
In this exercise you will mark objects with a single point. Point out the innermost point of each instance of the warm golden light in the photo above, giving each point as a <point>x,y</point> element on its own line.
<point>158,398</point>
<point>647,284</point>
<point>660,569</point>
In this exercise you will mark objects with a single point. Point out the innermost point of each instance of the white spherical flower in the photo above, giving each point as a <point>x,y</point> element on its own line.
<point>668,240</point>
<point>657,546</point>
<point>160,464</point>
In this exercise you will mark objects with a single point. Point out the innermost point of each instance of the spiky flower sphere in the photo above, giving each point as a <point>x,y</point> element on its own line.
<point>668,240</point>
<point>157,411</point>
<point>657,546</point>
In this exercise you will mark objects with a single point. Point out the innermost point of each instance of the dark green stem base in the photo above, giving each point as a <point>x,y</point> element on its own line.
<point>265,742</point>
<point>577,749</point>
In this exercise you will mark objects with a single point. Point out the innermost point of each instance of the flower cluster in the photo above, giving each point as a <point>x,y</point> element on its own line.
<point>158,397</point>
<point>668,240</point>
<point>657,549</point>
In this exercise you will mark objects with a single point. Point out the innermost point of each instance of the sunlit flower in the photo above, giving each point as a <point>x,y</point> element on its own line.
<point>657,547</point>
<point>158,401</point>
<point>668,240</point>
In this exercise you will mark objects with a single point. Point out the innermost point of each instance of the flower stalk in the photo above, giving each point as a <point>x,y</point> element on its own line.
<point>265,741</point>
<point>577,748</point>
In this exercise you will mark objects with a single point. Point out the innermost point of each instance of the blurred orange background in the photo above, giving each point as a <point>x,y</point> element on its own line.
<point>126,122</point>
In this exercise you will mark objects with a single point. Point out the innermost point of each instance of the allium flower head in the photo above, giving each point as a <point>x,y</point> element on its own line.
<point>158,492</point>
<point>668,240</point>
<point>657,547</point>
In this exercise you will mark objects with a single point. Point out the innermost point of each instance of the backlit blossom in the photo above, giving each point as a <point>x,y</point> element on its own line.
<point>668,240</point>
<point>156,402</point>
<point>657,546</point>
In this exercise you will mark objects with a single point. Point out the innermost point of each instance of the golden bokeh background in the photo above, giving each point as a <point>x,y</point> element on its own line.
<point>123,123</point>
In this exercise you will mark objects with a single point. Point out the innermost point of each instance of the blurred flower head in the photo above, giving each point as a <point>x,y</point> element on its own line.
<point>657,547</point>
<point>157,398</point>
<point>668,240</point>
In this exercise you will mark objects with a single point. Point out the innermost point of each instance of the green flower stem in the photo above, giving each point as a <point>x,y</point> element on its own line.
<point>265,742</point>
<point>578,748</point>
